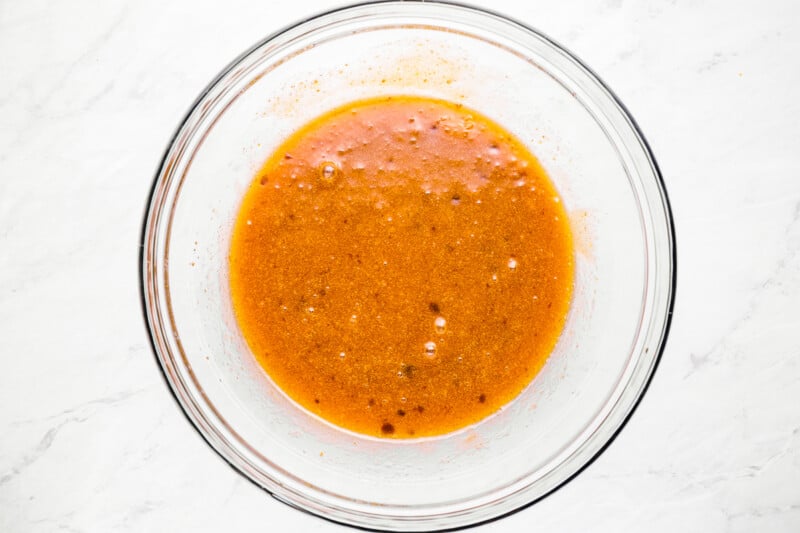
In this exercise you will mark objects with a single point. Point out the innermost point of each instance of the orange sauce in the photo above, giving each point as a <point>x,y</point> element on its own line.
<point>401,267</point>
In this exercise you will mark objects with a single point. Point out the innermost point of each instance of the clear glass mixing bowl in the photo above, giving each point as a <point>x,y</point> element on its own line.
<point>625,264</point>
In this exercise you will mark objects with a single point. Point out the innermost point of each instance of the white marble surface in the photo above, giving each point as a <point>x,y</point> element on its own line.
<point>90,438</point>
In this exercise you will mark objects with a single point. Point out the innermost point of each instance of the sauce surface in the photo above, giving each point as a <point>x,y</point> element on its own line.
<point>401,267</point>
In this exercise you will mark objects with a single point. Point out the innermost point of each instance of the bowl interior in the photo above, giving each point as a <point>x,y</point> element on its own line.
<point>610,189</point>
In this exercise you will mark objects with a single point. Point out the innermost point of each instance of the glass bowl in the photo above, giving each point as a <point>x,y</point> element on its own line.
<point>624,277</point>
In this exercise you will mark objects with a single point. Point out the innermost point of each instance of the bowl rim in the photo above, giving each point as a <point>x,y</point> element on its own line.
<point>145,250</point>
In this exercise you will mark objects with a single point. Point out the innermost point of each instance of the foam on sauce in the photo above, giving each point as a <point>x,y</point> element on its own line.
<point>401,266</point>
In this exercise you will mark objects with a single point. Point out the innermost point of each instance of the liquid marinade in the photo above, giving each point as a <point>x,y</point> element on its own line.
<point>401,266</point>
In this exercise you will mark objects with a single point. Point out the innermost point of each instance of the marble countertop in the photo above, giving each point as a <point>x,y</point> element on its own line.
<point>91,437</point>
